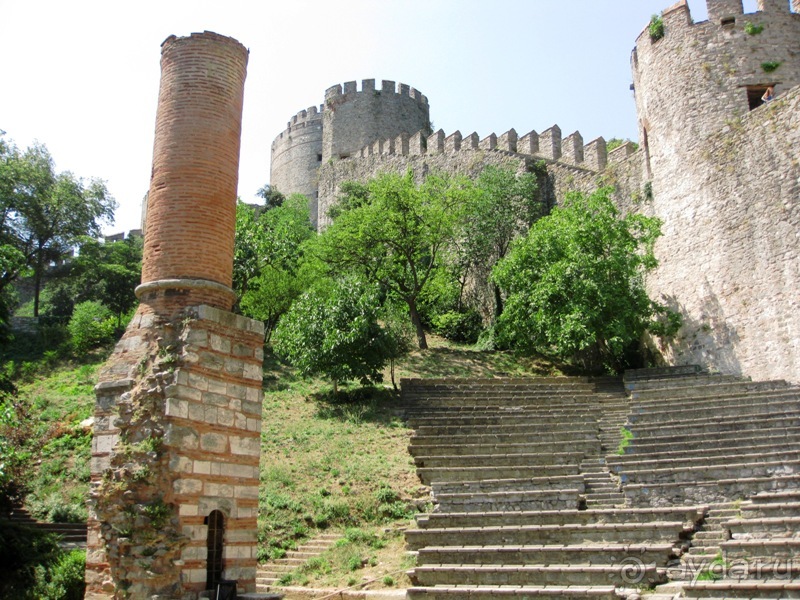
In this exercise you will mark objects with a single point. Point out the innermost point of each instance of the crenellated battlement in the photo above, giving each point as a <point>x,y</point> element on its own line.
<point>310,116</point>
<point>548,145</point>
<point>340,92</point>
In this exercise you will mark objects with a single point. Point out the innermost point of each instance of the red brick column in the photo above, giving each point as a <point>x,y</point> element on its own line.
<point>191,207</point>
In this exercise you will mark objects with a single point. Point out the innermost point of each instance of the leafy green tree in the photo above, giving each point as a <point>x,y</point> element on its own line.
<point>502,207</point>
<point>106,272</point>
<point>333,330</point>
<point>576,282</point>
<point>395,236</point>
<point>272,197</point>
<point>45,212</point>
<point>269,254</point>
<point>90,326</point>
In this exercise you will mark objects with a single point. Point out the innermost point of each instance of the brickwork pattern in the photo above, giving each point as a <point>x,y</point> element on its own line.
<point>195,164</point>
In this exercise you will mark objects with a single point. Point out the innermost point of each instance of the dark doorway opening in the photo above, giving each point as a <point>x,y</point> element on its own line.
<point>216,535</point>
<point>754,94</point>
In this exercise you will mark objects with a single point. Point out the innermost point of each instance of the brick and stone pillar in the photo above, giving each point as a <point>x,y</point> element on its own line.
<point>175,453</point>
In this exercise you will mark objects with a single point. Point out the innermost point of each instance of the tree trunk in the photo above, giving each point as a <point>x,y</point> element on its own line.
<point>37,282</point>
<point>417,322</point>
<point>498,301</point>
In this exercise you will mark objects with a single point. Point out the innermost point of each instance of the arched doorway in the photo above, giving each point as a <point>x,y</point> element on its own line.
<point>216,535</point>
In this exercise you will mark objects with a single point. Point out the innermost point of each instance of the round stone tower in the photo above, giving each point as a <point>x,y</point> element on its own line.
<point>297,154</point>
<point>353,119</point>
<point>191,207</point>
<point>699,76</point>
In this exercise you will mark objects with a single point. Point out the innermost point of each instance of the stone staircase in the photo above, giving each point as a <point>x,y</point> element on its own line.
<point>269,574</point>
<point>734,444</point>
<point>71,535</point>
<point>525,502</point>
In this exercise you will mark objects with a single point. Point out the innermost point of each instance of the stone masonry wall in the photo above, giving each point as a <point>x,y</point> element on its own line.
<point>177,435</point>
<point>730,255</point>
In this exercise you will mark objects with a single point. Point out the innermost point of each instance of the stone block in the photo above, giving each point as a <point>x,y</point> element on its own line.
<point>215,442</point>
<point>103,444</point>
<point>188,487</point>
<point>246,491</point>
<point>177,408</point>
<point>187,510</point>
<point>218,489</point>
<point>245,446</point>
<point>219,343</point>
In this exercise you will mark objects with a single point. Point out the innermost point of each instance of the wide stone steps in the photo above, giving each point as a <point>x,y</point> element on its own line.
<point>682,492</point>
<point>559,437</point>
<point>549,592</point>
<point>526,447</point>
<point>774,401</point>
<point>756,588</point>
<point>499,460</point>
<point>547,499</point>
<point>744,423</point>
<point>269,574</point>
<point>70,535</point>
<point>657,554</point>
<point>443,475</point>
<point>667,531</point>
<point>526,575</point>
<point>700,454</point>
<point>442,490</point>
<point>686,515</point>
<point>709,472</point>
<point>696,380</point>
<point>506,417</point>
<point>686,393</point>
<point>729,442</point>
<point>509,427</point>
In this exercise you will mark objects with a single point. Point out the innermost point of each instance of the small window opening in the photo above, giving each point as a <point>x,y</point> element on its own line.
<point>728,21</point>
<point>319,157</point>
<point>646,147</point>
<point>216,535</point>
<point>755,94</point>
<point>343,156</point>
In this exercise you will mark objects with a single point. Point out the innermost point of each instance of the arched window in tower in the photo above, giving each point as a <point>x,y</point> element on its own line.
<point>216,535</point>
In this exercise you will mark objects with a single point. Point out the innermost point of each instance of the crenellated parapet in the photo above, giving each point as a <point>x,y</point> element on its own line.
<point>339,93</point>
<point>548,145</point>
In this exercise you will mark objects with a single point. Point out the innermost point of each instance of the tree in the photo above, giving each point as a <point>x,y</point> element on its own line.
<point>268,258</point>
<point>333,330</point>
<point>575,283</point>
<point>272,197</point>
<point>503,206</point>
<point>105,272</point>
<point>395,237</point>
<point>45,212</point>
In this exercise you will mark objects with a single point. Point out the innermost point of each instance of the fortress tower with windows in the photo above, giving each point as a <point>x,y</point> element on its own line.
<point>719,167</point>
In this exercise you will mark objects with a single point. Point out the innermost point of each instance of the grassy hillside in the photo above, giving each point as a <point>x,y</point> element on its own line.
<point>328,464</point>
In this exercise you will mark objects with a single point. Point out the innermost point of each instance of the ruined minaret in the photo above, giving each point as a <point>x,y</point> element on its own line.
<point>175,453</point>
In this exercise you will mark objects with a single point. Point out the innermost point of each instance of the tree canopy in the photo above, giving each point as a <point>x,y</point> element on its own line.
<point>394,232</point>
<point>575,284</point>
<point>44,212</point>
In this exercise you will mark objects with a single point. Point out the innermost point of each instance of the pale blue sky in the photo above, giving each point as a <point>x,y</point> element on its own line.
<point>82,76</point>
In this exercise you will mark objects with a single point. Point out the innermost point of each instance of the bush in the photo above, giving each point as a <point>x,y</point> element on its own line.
<point>90,326</point>
<point>462,327</point>
<point>62,579</point>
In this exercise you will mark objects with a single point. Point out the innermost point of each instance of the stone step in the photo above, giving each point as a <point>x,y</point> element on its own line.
<point>769,510</point>
<point>745,423</point>
<point>611,553</point>
<point>709,472</point>
<point>441,475</point>
<point>534,428</point>
<point>685,514</point>
<point>527,447</point>
<point>679,393</point>
<point>656,531</point>
<point>758,404</point>
<point>724,439</point>
<point>646,373</point>
<point>554,499</point>
<point>498,418</point>
<point>554,592</point>
<point>683,492</point>
<point>441,490</point>
<point>525,575</point>
<point>698,379</point>
<point>701,454</point>
<point>756,588</point>
<point>765,527</point>
<point>500,460</point>
<point>559,437</point>
<point>762,550</point>
<point>767,497</point>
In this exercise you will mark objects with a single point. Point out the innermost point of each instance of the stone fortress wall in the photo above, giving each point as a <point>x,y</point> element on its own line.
<point>718,168</point>
<point>726,182</point>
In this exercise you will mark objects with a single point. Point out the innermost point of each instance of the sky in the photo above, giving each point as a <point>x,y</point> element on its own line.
<point>82,76</point>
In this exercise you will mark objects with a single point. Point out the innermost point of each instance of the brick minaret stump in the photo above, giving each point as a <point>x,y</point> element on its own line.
<point>175,453</point>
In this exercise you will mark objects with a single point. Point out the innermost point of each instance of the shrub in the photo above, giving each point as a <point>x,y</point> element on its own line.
<point>459,326</point>
<point>656,27</point>
<point>90,326</point>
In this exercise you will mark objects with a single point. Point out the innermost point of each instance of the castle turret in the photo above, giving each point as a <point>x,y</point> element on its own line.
<point>296,156</point>
<point>354,119</point>
<point>717,158</point>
